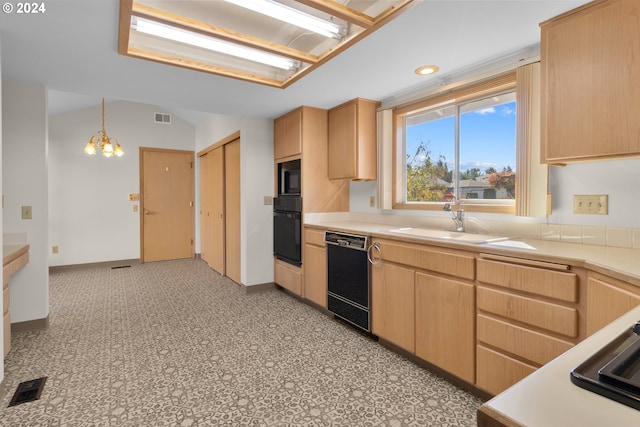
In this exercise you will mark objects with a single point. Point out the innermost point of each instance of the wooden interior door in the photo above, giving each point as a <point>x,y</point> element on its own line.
<point>212,223</point>
<point>167,214</point>
<point>232,209</point>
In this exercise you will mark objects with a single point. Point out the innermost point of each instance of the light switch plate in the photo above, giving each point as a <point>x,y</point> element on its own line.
<point>594,204</point>
<point>26,212</point>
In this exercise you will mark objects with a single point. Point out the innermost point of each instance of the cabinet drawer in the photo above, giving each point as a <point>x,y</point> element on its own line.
<point>6,319</point>
<point>289,277</point>
<point>313,236</point>
<point>15,265</point>
<point>5,300</point>
<point>539,281</point>
<point>531,345</point>
<point>496,372</point>
<point>453,263</point>
<point>545,315</point>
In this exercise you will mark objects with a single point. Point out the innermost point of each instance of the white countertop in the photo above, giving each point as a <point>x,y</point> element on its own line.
<point>620,263</point>
<point>548,398</point>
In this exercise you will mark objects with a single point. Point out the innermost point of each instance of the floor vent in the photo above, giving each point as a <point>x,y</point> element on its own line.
<point>120,266</point>
<point>162,118</point>
<point>28,391</point>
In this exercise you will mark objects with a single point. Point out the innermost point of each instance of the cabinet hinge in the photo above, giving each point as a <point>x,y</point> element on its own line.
<point>191,242</point>
<point>191,203</point>
<point>191,165</point>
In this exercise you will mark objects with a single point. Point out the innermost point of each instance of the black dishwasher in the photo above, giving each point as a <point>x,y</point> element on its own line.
<point>348,278</point>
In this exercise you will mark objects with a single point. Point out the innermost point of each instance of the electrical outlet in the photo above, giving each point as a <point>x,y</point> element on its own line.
<point>372,201</point>
<point>267,200</point>
<point>593,204</point>
<point>26,212</point>
<point>135,208</point>
<point>54,250</point>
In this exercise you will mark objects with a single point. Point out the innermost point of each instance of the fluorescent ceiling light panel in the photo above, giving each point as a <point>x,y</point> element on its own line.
<point>292,16</point>
<point>157,29</point>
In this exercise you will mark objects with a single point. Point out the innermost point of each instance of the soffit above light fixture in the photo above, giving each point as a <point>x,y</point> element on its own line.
<point>222,37</point>
<point>427,70</point>
<point>103,142</point>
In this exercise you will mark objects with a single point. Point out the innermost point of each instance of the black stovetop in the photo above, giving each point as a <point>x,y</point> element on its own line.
<point>614,371</point>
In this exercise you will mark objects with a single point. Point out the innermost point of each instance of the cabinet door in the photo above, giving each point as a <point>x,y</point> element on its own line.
<point>342,141</point>
<point>353,140</point>
<point>392,305</point>
<point>315,274</point>
<point>590,95</point>
<point>445,324</point>
<point>287,138</point>
<point>606,302</point>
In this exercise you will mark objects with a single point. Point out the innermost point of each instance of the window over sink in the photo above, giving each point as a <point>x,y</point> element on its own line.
<point>474,143</point>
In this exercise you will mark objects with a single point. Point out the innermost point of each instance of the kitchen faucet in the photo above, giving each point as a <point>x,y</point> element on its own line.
<point>457,216</point>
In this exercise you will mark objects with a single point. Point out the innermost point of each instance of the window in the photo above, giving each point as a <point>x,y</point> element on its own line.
<point>459,146</point>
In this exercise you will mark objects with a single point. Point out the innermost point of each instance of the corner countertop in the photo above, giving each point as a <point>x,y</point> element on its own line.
<point>549,398</point>
<point>12,252</point>
<point>619,263</point>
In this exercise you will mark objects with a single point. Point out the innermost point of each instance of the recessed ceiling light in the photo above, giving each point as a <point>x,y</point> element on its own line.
<point>427,69</point>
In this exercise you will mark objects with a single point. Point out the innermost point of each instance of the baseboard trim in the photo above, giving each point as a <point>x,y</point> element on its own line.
<point>30,325</point>
<point>263,287</point>
<point>106,264</point>
<point>460,383</point>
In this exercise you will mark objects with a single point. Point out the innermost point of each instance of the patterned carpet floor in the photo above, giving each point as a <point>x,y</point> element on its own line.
<point>175,344</point>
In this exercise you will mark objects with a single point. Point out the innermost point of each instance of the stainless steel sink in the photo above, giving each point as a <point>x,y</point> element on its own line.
<point>448,235</point>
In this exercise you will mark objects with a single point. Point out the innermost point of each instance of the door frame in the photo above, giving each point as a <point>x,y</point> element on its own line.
<point>141,152</point>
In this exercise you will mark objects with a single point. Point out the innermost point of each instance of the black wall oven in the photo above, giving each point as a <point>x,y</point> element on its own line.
<point>287,229</point>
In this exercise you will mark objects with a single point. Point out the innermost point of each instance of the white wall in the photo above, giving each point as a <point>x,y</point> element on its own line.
<point>24,178</point>
<point>91,217</point>
<point>256,171</point>
<point>617,178</point>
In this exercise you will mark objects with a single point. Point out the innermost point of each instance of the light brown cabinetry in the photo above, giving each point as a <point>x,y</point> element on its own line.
<point>353,140</point>
<point>590,62</point>
<point>315,267</point>
<point>302,134</point>
<point>393,304</point>
<point>288,135</point>
<point>608,299</point>
<point>445,320</point>
<point>528,313</point>
<point>423,300</point>
<point>15,261</point>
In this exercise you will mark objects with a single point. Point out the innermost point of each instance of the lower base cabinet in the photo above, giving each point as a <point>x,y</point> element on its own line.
<point>497,371</point>
<point>288,276</point>
<point>392,304</point>
<point>445,324</point>
<point>608,299</point>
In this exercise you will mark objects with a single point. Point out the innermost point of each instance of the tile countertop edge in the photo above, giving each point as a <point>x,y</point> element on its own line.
<point>12,252</point>
<point>620,263</point>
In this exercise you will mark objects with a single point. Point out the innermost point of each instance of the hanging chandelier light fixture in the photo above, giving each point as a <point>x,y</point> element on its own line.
<point>103,142</point>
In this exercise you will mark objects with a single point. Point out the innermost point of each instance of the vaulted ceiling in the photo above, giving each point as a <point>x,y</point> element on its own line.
<point>73,49</point>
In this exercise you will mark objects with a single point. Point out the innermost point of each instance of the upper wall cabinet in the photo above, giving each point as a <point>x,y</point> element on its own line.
<point>352,140</point>
<point>590,60</point>
<point>288,135</point>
